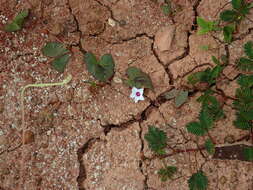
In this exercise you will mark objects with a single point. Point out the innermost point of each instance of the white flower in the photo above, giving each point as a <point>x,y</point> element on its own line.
<point>137,94</point>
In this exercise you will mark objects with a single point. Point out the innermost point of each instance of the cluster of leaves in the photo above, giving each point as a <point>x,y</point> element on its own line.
<point>244,103</point>
<point>137,78</point>
<point>166,7</point>
<point>246,63</point>
<point>157,141</point>
<point>210,112</point>
<point>240,8</point>
<point>180,96</point>
<point>60,54</point>
<point>17,23</point>
<point>208,76</point>
<point>102,70</point>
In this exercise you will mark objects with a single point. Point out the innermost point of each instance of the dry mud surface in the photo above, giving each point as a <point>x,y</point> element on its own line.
<point>84,139</point>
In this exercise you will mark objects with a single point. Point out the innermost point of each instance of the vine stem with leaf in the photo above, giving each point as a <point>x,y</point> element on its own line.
<point>41,85</point>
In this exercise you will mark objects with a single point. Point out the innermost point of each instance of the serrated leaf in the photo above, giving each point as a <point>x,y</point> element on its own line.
<point>157,140</point>
<point>245,64</point>
<point>215,60</point>
<point>138,78</point>
<point>228,32</point>
<point>196,128</point>
<point>245,80</point>
<point>101,70</point>
<point>205,26</point>
<point>248,153</point>
<point>181,98</point>
<point>206,121</point>
<point>198,181</point>
<point>241,123</point>
<point>237,4</point>
<point>229,15</point>
<point>171,94</point>
<point>17,22</point>
<point>54,49</point>
<point>215,72</point>
<point>209,146</point>
<point>248,49</point>
<point>167,172</point>
<point>60,63</point>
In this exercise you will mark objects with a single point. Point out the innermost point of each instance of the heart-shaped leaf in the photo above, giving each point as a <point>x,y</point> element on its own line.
<point>138,79</point>
<point>101,70</point>
<point>17,22</point>
<point>54,49</point>
<point>60,63</point>
<point>181,98</point>
<point>171,94</point>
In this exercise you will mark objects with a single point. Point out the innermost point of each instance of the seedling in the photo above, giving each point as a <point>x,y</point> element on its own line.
<point>198,181</point>
<point>180,96</point>
<point>17,23</point>
<point>102,70</point>
<point>208,76</point>
<point>137,78</point>
<point>206,26</point>
<point>246,63</point>
<point>60,54</point>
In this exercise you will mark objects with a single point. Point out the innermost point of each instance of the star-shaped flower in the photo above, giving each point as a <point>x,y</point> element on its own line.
<point>137,94</point>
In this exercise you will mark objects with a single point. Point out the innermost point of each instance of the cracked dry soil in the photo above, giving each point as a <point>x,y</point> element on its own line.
<point>86,139</point>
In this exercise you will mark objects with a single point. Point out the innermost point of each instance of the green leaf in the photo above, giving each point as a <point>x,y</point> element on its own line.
<point>228,32</point>
<point>157,140</point>
<point>237,4</point>
<point>101,70</point>
<point>241,123</point>
<point>215,60</point>
<point>171,94</point>
<point>245,80</point>
<point>108,64</point>
<point>181,98</point>
<point>167,172</point>
<point>54,49</point>
<point>138,79</point>
<point>17,22</point>
<point>60,63</point>
<point>245,64</point>
<point>229,16</point>
<point>196,77</point>
<point>205,26</point>
<point>196,128</point>
<point>248,49</point>
<point>215,72</point>
<point>209,146</point>
<point>206,121</point>
<point>198,181</point>
<point>248,153</point>
<point>166,9</point>
<point>12,27</point>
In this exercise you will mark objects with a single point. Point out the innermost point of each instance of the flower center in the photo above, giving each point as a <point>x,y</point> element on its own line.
<point>138,93</point>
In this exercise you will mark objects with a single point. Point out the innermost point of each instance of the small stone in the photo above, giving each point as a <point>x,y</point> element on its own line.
<point>122,23</point>
<point>1,107</point>
<point>111,22</point>
<point>229,139</point>
<point>3,140</point>
<point>223,180</point>
<point>117,80</point>
<point>28,137</point>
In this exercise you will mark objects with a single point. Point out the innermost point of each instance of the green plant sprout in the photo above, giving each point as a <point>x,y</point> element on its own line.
<point>231,17</point>
<point>60,54</point>
<point>17,23</point>
<point>246,63</point>
<point>23,89</point>
<point>103,69</point>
